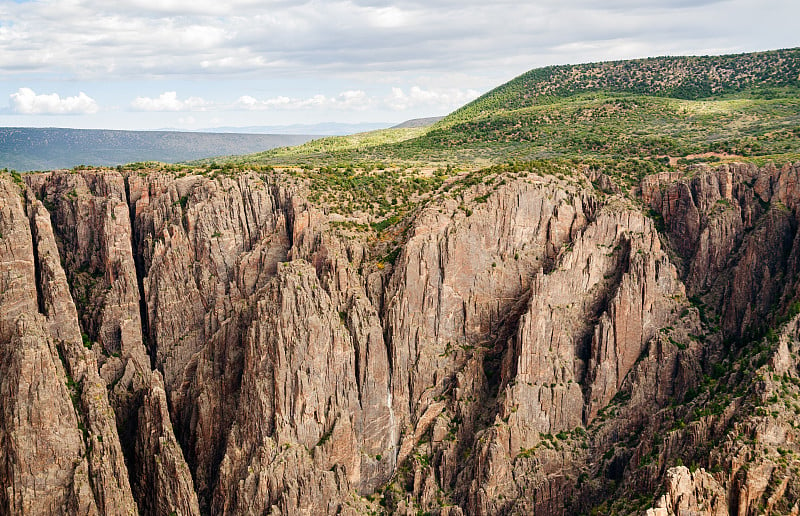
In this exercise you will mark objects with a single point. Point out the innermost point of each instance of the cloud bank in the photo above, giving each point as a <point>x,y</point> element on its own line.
<point>26,101</point>
<point>168,101</point>
<point>440,100</point>
<point>127,38</point>
<point>249,62</point>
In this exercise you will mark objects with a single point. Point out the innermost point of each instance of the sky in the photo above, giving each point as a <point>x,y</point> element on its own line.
<point>196,64</point>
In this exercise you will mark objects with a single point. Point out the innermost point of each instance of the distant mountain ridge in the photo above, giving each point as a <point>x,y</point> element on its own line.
<point>321,129</point>
<point>27,148</point>
<point>418,122</point>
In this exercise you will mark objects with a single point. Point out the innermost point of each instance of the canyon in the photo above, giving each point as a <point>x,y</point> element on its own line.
<point>539,339</point>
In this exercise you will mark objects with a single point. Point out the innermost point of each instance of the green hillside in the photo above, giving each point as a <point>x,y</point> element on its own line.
<point>688,78</point>
<point>665,109</point>
<point>323,150</point>
<point>618,126</point>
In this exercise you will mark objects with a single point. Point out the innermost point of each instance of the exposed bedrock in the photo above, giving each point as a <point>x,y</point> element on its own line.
<point>183,343</point>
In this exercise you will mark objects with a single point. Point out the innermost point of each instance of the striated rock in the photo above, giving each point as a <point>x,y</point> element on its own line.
<point>108,474</point>
<point>92,226</point>
<point>17,277</point>
<point>587,323</point>
<point>691,493</point>
<point>114,315</point>
<point>720,221</point>
<point>520,344</point>
<point>297,350</point>
<point>41,448</point>
<point>202,247</point>
<point>54,406</point>
<point>458,276</point>
<point>164,485</point>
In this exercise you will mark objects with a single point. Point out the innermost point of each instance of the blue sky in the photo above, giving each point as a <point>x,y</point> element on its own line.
<point>190,64</point>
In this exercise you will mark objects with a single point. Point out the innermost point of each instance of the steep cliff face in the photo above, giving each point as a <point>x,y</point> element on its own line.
<point>522,342</point>
<point>59,444</point>
<point>460,275</point>
<point>740,259</point>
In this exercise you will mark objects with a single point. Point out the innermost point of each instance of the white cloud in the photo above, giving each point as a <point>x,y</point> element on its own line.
<point>168,101</point>
<point>351,100</point>
<point>389,17</point>
<point>185,7</point>
<point>26,101</point>
<point>441,99</point>
<point>438,100</point>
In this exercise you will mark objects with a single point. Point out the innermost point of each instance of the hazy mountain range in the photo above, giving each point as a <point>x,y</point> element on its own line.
<point>24,148</point>
<point>27,148</point>
<point>323,129</point>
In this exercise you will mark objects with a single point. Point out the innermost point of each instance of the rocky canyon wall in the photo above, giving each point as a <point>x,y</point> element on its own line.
<point>538,343</point>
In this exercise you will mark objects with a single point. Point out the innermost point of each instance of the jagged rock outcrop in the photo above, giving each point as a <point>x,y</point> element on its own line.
<point>751,431</point>
<point>107,469</point>
<point>298,391</point>
<point>720,222</point>
<point>691,493</point>
<point>43,452</point>
<point>522,343</point>
<point>59,446</point>
<point>460,274</point>
<point>105,283</point>
<point>221,248</point>
<point>193,240</point>
<point>588,321</point>
<point>164,485</point>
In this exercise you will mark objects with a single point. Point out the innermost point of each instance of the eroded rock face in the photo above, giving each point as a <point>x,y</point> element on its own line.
<point>107,471</point>
<point>164,485</point>
<point>721,222</point>
<point>215,345</point>
<point>691,493</point>
<point>459,276</point>
<point>59,445</point>
<point>42,446</point>
<point>297,349</point>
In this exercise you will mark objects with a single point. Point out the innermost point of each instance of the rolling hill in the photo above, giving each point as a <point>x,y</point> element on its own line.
<point>746,106</point>
<point>685,77</point>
